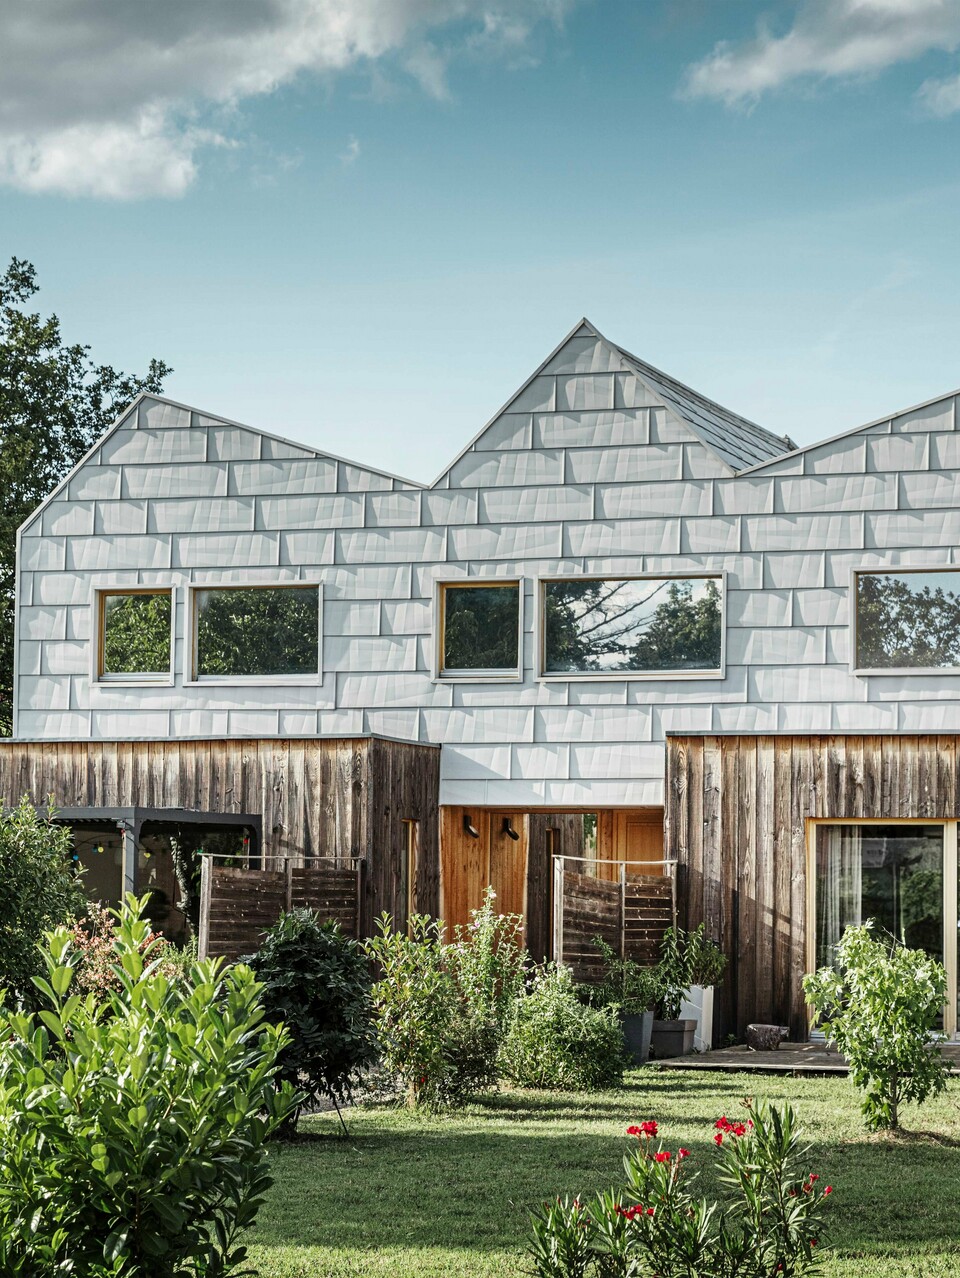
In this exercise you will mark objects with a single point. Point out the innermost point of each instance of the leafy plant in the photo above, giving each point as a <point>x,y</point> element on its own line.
<point>686,958</point>
<point>555,1041</point>
<point>132,1130</point>
<point>625,985</point>
<point>317,982</point>
<point>38,891</point>
<point>770,1223</point>
<point>441,1008</point>
<point>93,953</point>
<point>880,1006</point>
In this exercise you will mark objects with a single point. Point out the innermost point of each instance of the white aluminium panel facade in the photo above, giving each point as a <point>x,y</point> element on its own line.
<point>598,467</point>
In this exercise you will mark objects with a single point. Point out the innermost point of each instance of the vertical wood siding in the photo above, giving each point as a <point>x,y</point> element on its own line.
<point>736,821</point>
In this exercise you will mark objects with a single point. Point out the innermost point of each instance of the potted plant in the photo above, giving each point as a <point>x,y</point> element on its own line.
<point>689,962</point>
<point>633,990</point>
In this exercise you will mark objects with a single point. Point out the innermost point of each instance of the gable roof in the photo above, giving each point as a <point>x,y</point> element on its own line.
<point>738,441</point>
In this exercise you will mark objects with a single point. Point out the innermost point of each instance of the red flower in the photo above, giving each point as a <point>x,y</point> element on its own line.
<point>634,1130</point>
<point>662,1157</point>
<point>738,1129</point>
<point>813,1177</point>
<point>828,1190</point>
<point>649,1128</point>
<point>723,1123</point>
<point>649,1211</point>
<point>718,1139</point>
<point>683,1153</point>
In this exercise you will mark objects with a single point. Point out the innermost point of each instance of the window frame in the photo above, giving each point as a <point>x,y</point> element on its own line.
<point>440,675</point>
<point>540,638</point>
<point>98,676</point>
<point>193,680</point>
<point>896,671</point>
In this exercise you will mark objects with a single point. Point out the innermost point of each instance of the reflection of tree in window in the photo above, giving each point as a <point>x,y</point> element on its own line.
<point>632,625</point>
<point>258,632</point>
<point>136,634</point>
<point>906,622</point>
<point>481,627</point>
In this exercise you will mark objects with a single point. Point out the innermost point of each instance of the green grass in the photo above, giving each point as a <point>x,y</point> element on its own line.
<point>431,1196</point>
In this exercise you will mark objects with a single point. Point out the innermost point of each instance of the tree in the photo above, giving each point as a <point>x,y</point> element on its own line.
<point>54,402</point>
<point>38,891</point>
<point>684,633</point>
<point>899,625</point>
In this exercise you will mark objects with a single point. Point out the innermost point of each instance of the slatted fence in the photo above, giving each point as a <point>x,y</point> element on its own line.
<point>237,905</point>
<point>631,913</point>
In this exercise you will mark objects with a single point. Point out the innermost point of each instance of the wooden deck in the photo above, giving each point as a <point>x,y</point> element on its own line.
<point>789,1058</point>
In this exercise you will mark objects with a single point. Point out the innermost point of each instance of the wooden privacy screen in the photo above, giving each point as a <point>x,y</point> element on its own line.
<point>631,915</point>
<point>736,822</point>
<point>238,905</point>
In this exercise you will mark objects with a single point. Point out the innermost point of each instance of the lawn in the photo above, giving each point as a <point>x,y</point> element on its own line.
<point>432,1196</point>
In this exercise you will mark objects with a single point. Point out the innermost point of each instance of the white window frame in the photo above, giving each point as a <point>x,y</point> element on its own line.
<point>101,587</point>
<point>192,680</point>
<point>540,633</point>
<point>440,585</point>
<point>898,672</point>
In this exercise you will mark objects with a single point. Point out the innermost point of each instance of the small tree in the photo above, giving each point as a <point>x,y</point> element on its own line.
<point>144,1149</point>
<point>38,892</point>
<point>317,982</point>
<point>880,1006</point>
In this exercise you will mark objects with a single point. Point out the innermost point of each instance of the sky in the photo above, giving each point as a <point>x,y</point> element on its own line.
<point>362,224</point>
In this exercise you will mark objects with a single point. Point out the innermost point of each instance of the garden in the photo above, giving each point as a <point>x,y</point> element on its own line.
<point>430,1103</point>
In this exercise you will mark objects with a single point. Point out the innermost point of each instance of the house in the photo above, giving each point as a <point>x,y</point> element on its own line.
<point>624,624</point>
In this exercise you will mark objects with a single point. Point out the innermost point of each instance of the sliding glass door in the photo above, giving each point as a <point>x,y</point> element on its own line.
<point>900,874</point>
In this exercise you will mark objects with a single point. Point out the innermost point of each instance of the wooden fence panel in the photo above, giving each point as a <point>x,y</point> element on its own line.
<point>648,910</point>
<point>591,908</point>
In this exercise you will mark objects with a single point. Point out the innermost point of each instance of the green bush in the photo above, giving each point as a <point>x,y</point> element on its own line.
<point>554,1041</point>
<point>38,892</point>
<point>317,982</point>
<point>441,1009</point>
<point>132,1130</point>
<point>770,1223</point>
<point>880,1006</point>
<point>625,984</point>
<point>686,958</point>
<point>93,957</point>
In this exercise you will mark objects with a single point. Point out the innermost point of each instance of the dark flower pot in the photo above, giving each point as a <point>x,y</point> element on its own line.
<point>672,1038</point>
<point>636,1035</point>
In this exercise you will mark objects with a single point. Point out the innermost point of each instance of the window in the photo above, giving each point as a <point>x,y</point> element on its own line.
<point>480,629</point>
<point>134,630</point>
<point>256,632</point>
<point>907,621</point>
<point>633,625</point>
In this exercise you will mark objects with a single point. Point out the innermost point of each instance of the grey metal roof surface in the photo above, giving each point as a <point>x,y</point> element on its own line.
<point>741,443</point>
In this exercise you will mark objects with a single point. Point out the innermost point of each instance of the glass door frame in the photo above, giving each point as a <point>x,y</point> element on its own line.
<point>951,938</point>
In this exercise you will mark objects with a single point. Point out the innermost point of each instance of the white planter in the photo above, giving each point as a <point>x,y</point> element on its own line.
<point>697,1005</point>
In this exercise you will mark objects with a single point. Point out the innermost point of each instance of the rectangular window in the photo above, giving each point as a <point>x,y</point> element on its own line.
<point>256,632</point>
<point>480,629</point>
<point>135,634</point>
<point>633,625</point>
<point>907,621</point>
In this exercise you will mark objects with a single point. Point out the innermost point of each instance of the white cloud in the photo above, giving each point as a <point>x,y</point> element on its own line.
<point>833,39</point>
<point>350,152</point>
<point>118,98</point>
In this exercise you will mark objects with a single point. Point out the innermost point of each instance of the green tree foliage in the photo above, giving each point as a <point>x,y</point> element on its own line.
<point>136,634</point>
<point>632,624</point>
<point>901,624</point>
<point>144,1151</point>
<point>54,402</point>
<point>38,891</point>
<point>258,632</point>
<point>316,981</point>
<point>481,628</point>
<point>880,1005</point>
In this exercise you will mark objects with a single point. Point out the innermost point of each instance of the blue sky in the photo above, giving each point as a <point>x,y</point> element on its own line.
<point>370,247</point>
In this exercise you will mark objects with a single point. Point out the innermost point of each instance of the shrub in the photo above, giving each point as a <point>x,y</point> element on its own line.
<point>770,1223</point>
<point>686,958</point>
<point>317,982</point>
<point>143,1150</point>
<point>625,985</point>
<point>880,1007</point>
<point>93,956</point>
<point>441,1009</point>
<point>555,1041</point>
<point>38,891</point>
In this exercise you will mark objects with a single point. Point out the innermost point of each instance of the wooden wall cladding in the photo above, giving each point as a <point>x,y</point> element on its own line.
<point>317,797</point>
<point>736,821</point>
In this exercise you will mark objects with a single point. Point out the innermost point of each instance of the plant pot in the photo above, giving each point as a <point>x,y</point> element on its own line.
<point>672,1038</point>
<point>636,1035</point>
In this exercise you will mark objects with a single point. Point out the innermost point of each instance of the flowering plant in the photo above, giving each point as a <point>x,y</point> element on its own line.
<point>769,1225</point>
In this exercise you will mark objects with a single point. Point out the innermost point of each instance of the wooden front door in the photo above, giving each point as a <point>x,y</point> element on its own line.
<point>638,836</point>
